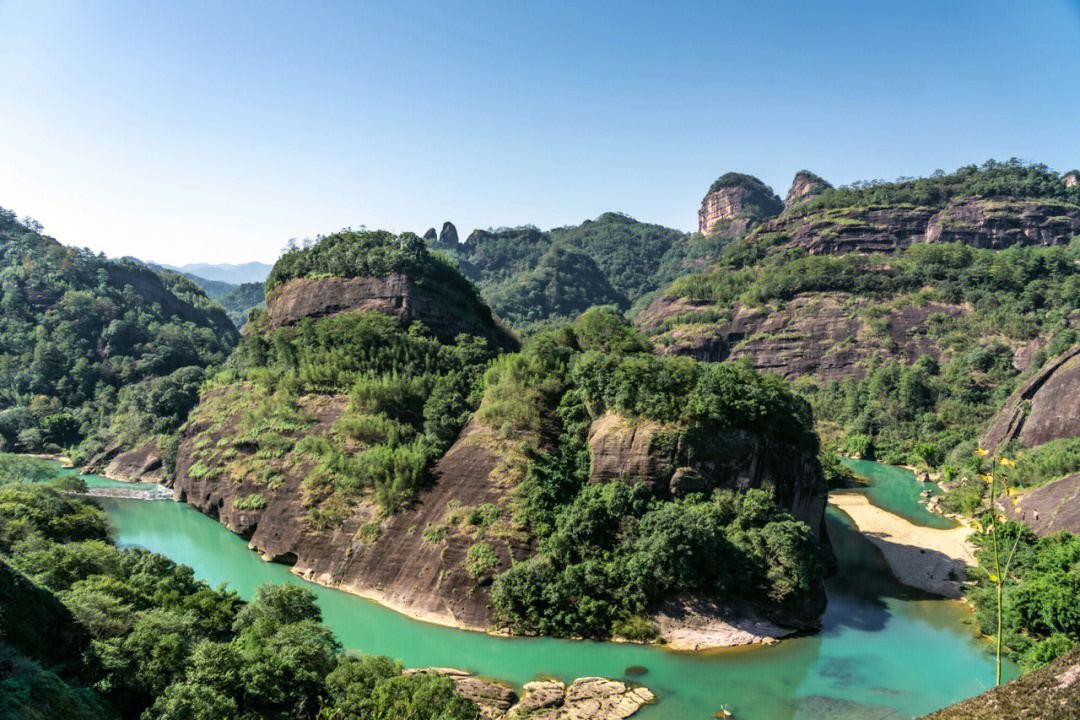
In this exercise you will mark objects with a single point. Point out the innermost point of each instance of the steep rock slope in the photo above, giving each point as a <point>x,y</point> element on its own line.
<point>411,561</point>
<point>396,295</point>
<point>979,222</point>
<point>1049,508</point>
<point>1046,407</point>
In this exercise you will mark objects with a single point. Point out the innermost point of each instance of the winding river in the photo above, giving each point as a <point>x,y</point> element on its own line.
<point>884,651</point>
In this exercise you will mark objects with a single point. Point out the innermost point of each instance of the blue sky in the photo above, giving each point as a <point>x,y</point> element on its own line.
<point>186,132</point>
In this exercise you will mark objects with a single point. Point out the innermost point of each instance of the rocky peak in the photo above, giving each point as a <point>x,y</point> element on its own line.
<point>1072,178</point>
<point>805,186</point>
<point>431,234</point>
<point>734,202</point>
<point>448,236</point>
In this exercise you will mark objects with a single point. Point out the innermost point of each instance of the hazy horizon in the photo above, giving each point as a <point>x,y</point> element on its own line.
<point>198,133</point>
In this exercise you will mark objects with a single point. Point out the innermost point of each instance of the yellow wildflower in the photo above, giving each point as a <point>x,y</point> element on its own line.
<point>1007,462</point>
<point>981,453</point>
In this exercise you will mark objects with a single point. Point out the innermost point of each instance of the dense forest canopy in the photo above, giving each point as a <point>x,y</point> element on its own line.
<point>82,337</point>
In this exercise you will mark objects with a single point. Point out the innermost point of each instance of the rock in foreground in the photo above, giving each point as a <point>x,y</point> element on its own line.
<point>590,698</point>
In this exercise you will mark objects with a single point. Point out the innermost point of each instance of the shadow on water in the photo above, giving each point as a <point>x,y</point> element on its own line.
<point>862,583</point>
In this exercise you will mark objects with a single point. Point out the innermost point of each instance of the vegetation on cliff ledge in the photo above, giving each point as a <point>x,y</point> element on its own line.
<point>1010,179</point>
<point>1010,297</point>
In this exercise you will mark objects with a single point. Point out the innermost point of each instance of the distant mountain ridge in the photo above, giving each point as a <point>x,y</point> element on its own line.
<point>234,274</point>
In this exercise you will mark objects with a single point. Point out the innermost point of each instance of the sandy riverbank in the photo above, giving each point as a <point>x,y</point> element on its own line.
<point>926,558</point>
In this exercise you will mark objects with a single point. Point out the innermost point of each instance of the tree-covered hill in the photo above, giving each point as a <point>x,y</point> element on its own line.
<point>93,351</point>
<point>614,259</point>
<point>241,300</point>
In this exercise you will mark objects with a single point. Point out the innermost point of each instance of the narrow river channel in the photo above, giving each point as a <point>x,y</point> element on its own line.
<point>884,651</point>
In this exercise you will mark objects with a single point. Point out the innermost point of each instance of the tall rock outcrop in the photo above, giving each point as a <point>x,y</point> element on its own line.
<point>431,235</point>
<point>1072,178</point>
<point>411,561</point>
<point>805,186</point>
<point>1045,408</point>
<point>449,236</point>
<point>735,203</point>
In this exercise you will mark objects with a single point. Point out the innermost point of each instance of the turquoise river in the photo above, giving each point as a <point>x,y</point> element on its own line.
<point>884,651</point>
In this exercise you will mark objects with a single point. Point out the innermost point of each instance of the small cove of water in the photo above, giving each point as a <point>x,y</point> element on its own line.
<point>884,651</point>
<point>896,490</point>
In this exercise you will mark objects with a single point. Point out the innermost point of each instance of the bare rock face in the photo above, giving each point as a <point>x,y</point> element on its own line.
<point>733,204</point>
<point>1049,508</point>
<point>659,457</point>
<point>1072,178</point>
<point>449,235</point>
<point>869,229</point>
<point>143,464</point>
<point>431,235</point>
<point>386,559</point>
<point>397,295</point>
<point>978,222</point>
<point>824,334</point>
<point>805,186</point>
<point>1045,408</point>
<point>998,224</point>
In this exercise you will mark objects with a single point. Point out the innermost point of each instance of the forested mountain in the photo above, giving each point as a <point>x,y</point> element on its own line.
<point>529,276</point>
<point>94,351</point>
<point>241,300</point>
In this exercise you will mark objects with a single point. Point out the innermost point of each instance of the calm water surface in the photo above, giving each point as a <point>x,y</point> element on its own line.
<point>884,651</point>
<point>895,489</point>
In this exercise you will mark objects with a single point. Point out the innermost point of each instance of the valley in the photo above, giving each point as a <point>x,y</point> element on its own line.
<point>502,454</point>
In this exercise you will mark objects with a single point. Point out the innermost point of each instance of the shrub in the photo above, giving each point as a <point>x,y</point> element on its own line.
<point>481,560</point>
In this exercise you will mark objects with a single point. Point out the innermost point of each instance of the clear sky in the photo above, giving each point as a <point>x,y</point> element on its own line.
<point>215,131</point>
